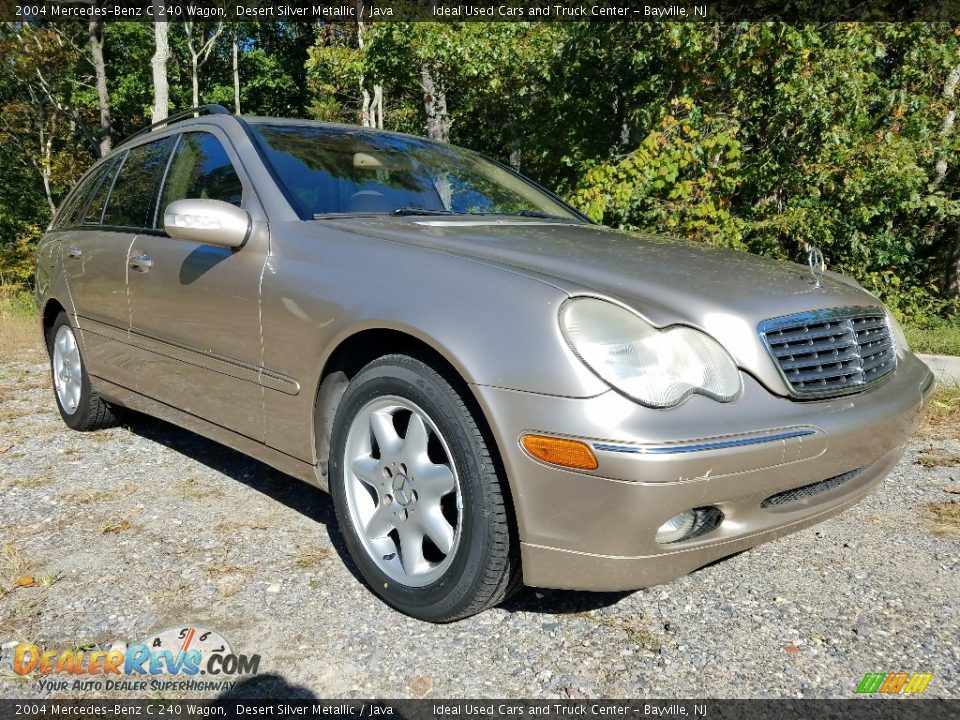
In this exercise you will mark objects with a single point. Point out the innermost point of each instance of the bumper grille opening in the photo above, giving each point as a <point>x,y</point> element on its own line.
<point>808,491</point>
<point>708,519</point>
<point>831,352</point>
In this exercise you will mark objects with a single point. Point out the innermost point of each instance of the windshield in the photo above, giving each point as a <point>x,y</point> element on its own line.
<point>339,171</point>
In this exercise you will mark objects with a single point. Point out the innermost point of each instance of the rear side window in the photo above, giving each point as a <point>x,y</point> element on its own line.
<point>201,169</point>
<point>95,208</point>
<point>131,201</point>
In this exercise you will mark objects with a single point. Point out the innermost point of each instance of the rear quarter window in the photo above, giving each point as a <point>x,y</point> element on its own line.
<point>75,207</point>
<point>94,210</point>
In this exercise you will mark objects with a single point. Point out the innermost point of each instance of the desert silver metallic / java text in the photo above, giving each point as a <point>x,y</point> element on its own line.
<point>403,492</point>
<point>66,369</point>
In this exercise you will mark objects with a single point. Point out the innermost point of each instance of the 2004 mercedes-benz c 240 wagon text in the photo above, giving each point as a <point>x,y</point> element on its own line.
<point>493,388</point>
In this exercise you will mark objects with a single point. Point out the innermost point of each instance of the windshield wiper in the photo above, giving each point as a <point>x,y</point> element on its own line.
<point>536,214</point>
<point>422,211</point>
<point>523,213</point>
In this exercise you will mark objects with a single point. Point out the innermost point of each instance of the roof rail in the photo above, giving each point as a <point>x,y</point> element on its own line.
<point>211,109</point>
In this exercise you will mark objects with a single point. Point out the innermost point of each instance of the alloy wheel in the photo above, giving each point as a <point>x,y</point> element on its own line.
<point>402,490</point>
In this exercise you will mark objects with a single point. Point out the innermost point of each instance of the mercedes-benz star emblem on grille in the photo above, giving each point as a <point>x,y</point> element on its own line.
<point>816,262</point>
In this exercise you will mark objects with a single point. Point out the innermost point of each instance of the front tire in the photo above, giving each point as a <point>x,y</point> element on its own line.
<point>418,498</point>
<point>79,404</point>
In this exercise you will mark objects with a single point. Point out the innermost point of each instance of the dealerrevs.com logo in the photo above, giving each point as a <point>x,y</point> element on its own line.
<point>897,683</point>
<point>170,660</point>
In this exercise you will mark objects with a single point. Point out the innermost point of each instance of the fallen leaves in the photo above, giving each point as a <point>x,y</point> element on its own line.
<point>108,527</point>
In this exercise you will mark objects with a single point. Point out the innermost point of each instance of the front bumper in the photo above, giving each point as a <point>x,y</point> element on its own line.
<point>595,530</point>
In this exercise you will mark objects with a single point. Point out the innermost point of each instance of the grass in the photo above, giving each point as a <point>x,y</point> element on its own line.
<point>235,525</point>
<point>943,412</point>
<point>33,482</point>
<point>14,570</point>
<point>12,563</point>
<point>192,489</point>
<point>943,339</point>
<point>82,496</point>
<point>945,515</point>
<point>19,334</point>
<point>934,458</point>
<point>632,627</point>
<point>312,559</point>
<point>24,612</point>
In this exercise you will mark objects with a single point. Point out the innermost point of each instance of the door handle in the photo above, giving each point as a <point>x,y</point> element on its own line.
<point>74,252</point>
<point>140,263</point>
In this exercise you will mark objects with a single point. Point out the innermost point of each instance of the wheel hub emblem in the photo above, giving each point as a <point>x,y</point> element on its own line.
<point>401,489</point>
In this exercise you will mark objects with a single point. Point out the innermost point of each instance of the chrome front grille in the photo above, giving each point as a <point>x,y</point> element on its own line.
<point>831,352</point>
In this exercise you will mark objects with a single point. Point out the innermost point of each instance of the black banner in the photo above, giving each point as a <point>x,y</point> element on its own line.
<point>854,709</point>
<point>318,11</point>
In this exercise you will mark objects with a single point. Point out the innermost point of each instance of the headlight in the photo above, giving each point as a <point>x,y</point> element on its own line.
<point>659,368</point>
<point>899,337</point>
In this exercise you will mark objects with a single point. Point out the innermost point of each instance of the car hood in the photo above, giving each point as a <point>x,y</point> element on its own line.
<point>724,292</point>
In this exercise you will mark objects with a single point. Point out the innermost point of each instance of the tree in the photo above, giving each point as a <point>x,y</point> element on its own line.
<point>46,138</point>
<point>95,31</point>
<point>236,73</point>
<point>199,46</point>
<point>161,90</point>
<point>371,113</point>
<point>947,148</point>
<point>435,106</point>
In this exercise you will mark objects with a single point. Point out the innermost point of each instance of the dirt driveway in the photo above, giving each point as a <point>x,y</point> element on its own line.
<point>116,535</point>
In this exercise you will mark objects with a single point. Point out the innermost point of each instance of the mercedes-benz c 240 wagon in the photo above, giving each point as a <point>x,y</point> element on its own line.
<point>493,388</point>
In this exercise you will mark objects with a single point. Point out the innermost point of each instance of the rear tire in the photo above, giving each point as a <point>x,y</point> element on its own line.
<point>418,498</point>
<point>79,404</point>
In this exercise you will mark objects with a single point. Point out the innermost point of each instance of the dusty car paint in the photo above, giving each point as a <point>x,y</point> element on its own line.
<point>251,347</point>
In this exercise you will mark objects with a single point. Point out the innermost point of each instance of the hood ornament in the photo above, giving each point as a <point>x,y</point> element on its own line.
<point>816,263</point>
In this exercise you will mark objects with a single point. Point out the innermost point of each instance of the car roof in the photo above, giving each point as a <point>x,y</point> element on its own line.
<point>341,127</point>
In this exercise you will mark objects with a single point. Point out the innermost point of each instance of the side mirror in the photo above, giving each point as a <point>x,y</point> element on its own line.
<point>211,222</point>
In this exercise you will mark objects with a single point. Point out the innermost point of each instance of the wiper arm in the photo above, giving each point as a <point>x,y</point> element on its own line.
<point>535,214</point>
<point>421,211</point>
<point>523,213</point>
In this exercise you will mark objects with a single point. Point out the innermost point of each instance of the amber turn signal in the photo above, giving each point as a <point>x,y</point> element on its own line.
<point>560,451</point>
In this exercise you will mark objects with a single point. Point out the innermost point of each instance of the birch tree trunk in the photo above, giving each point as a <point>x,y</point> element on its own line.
<point>45,165</point>
<point>371,111</point>
<point>196,82</point>
<point>199,56</point>
<point>161,90</point>
<point>95,30</point>
<point>236,76</point>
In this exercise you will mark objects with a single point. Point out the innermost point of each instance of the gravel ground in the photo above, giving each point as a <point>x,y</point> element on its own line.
<point>128,531</point>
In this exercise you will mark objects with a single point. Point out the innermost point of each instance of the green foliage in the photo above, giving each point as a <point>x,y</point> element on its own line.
<point>918,305</point>
<point>334,68</point>
<point>942,338</point>
<point>681,180</point>
<point>761,136</point>
<point>16,302</point>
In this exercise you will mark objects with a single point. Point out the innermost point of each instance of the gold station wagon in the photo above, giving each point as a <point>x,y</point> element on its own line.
<point>494,389</point>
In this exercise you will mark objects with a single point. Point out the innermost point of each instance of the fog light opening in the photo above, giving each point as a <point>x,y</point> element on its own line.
<point>689,524</point>
<point>677,527</point>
